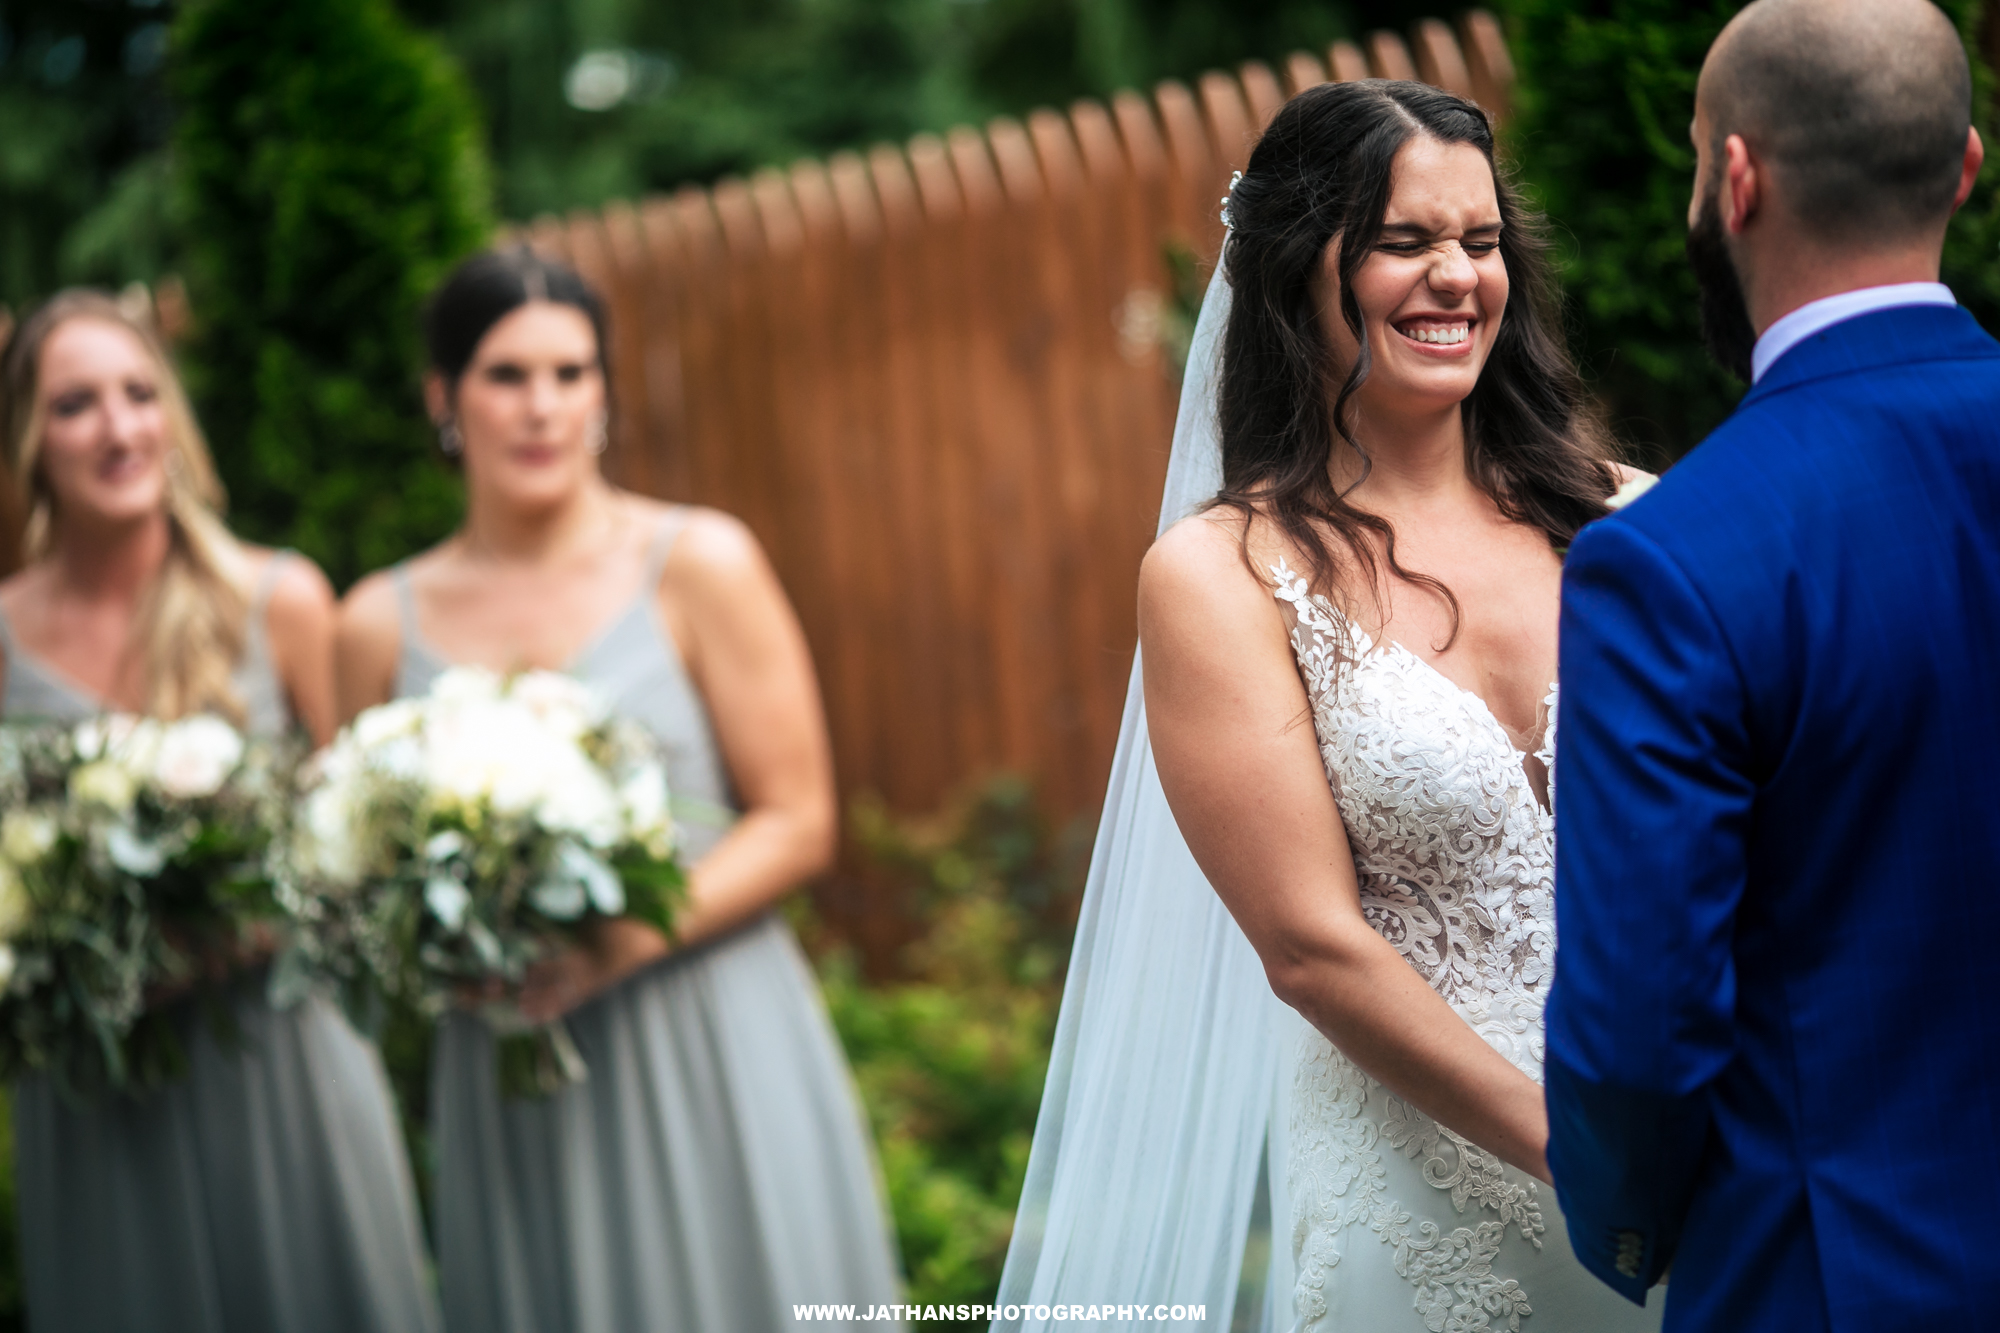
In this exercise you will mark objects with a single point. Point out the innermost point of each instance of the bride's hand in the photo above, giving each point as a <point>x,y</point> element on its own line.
<point>606,952</point>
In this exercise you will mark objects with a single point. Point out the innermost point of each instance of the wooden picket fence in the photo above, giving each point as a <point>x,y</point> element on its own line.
<point>932,378</point>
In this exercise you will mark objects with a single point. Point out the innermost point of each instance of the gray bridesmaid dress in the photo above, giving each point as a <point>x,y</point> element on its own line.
<point>267,1192</point>
<point>713,1169</point>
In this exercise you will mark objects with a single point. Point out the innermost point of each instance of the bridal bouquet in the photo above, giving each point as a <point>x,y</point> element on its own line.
<point>446,843</point>
<point>134,865</point>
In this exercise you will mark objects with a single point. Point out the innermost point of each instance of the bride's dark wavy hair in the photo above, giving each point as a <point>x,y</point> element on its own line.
<point>1324,169</point>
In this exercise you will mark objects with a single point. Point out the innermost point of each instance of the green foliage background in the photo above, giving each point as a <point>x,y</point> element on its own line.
<point>330,162</point>
<point>1607,95</point>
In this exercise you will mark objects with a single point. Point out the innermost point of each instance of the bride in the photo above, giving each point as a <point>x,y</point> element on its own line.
<point>1348,661</point>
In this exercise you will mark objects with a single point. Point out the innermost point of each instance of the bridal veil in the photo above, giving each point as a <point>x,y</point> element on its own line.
<point>1161,1131</point>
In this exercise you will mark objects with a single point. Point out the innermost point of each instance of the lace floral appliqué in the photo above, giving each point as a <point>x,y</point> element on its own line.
<point>1455,859</point>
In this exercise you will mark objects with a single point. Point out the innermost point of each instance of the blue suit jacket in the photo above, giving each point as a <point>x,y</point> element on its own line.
<point>1774,1032</point>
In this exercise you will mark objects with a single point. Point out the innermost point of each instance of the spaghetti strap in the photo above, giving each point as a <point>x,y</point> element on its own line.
<point>267,581</point>
<point>406,604</point>
<point>662,546</point>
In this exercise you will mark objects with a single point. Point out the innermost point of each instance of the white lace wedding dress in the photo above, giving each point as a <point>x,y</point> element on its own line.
<point>1397,1222</point>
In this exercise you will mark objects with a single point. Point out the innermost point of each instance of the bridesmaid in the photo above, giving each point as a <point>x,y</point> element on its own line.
<point>268,1189</point>
<point>713,1169</point>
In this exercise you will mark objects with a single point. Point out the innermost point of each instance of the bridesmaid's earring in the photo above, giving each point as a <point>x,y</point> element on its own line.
<point>600,435</point>
<point>449,439</point>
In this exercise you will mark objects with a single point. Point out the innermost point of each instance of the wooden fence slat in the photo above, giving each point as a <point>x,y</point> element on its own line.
<point>1056,151</point>
<point>1097,142</point>
<point>666,472</point>
<point>1261,91</point>
<point>1347,63</point>
<point>918,601</point>
<point>1078,294</point>
<point>750,312</point>
<point>548,236</point>
<point>1303,71</point>
<point>1388,58</point>
<point>706,348</point>
<point>937,189</point>
<point>1438,60</point>
<point>827,409</point>
<point>1230,127</point>
<point>628,456</point>
<point>1488,63</point>
<point>939,261</point>
<point>1140,136</point>
<point>978,183</point>
<point>1193,192</point>
<point>1020,175</point>
<point>1132,422</point>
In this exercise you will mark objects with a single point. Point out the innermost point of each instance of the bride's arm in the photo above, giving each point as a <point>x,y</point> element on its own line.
<point>1233,737</point>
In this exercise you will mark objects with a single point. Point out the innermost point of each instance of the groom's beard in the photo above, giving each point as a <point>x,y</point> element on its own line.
<point>1725,318</point>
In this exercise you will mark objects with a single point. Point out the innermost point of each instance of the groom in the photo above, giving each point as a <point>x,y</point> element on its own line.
<point>1774,1036</point>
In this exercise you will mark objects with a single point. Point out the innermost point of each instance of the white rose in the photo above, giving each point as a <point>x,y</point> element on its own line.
<point>135,744</point>
<point>195,757</point>
<point>385,722</point>
<point>103,782</point>
<point>6,966</point>
<point>469,748</point>
<point>648,814</point>
<point>15,904</point>
<point>332,842</point>
<point>97,736</point>
<point>562,703</point>
<point>465,684</point>
<point>535,761</point>
<point>579,801</point>
<point>27,835</point>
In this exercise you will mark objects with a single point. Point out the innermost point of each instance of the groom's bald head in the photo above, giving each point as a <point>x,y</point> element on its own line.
<point>1859,108</point>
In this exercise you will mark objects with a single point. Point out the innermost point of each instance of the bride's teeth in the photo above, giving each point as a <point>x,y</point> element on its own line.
<point>1444,336</point>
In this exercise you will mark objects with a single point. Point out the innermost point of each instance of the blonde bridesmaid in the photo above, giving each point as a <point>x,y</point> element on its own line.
<point>268,1189</point>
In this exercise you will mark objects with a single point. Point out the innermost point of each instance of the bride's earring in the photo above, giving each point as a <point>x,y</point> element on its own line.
<point>600,433</point>
<point>449,439</point>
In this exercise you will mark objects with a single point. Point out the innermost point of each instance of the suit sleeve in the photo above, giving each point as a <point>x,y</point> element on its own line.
<point>1652,818</point>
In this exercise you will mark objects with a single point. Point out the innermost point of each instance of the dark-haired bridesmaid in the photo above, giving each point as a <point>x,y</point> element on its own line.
<point>713,1169</point>
<point>268,1189</point>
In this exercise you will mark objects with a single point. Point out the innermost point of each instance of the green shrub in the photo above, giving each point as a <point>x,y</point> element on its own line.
<point>331,166</point>
<point>1606,96</point>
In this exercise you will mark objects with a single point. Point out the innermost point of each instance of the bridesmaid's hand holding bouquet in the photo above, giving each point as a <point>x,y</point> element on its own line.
<point>134,868</point>
<point>448,844</point>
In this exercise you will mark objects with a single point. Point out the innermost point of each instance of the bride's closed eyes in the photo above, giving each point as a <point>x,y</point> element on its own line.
<point>1477,244</point>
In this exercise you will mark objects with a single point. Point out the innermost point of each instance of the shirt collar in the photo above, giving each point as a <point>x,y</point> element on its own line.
<point>1818,316</point>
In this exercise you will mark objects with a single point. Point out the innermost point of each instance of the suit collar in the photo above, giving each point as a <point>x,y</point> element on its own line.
<point>1901,336</point>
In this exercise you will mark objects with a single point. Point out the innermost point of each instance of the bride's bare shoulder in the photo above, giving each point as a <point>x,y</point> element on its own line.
<point>1200,549</point>
<point>1204,568</point>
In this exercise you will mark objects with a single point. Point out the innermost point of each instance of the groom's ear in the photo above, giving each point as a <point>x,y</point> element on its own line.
<point>1968,175</point>
<point>1743,184</point>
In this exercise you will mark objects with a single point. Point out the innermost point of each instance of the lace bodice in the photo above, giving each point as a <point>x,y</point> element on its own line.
<point>1454,852</point>
<point>1455,858</point>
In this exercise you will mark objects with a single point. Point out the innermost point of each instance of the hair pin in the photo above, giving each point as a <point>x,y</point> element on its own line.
<point>1228,221</point>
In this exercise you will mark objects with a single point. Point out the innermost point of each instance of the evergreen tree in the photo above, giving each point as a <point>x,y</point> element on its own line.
<point>1607,95</point>
<point>330,158</point>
